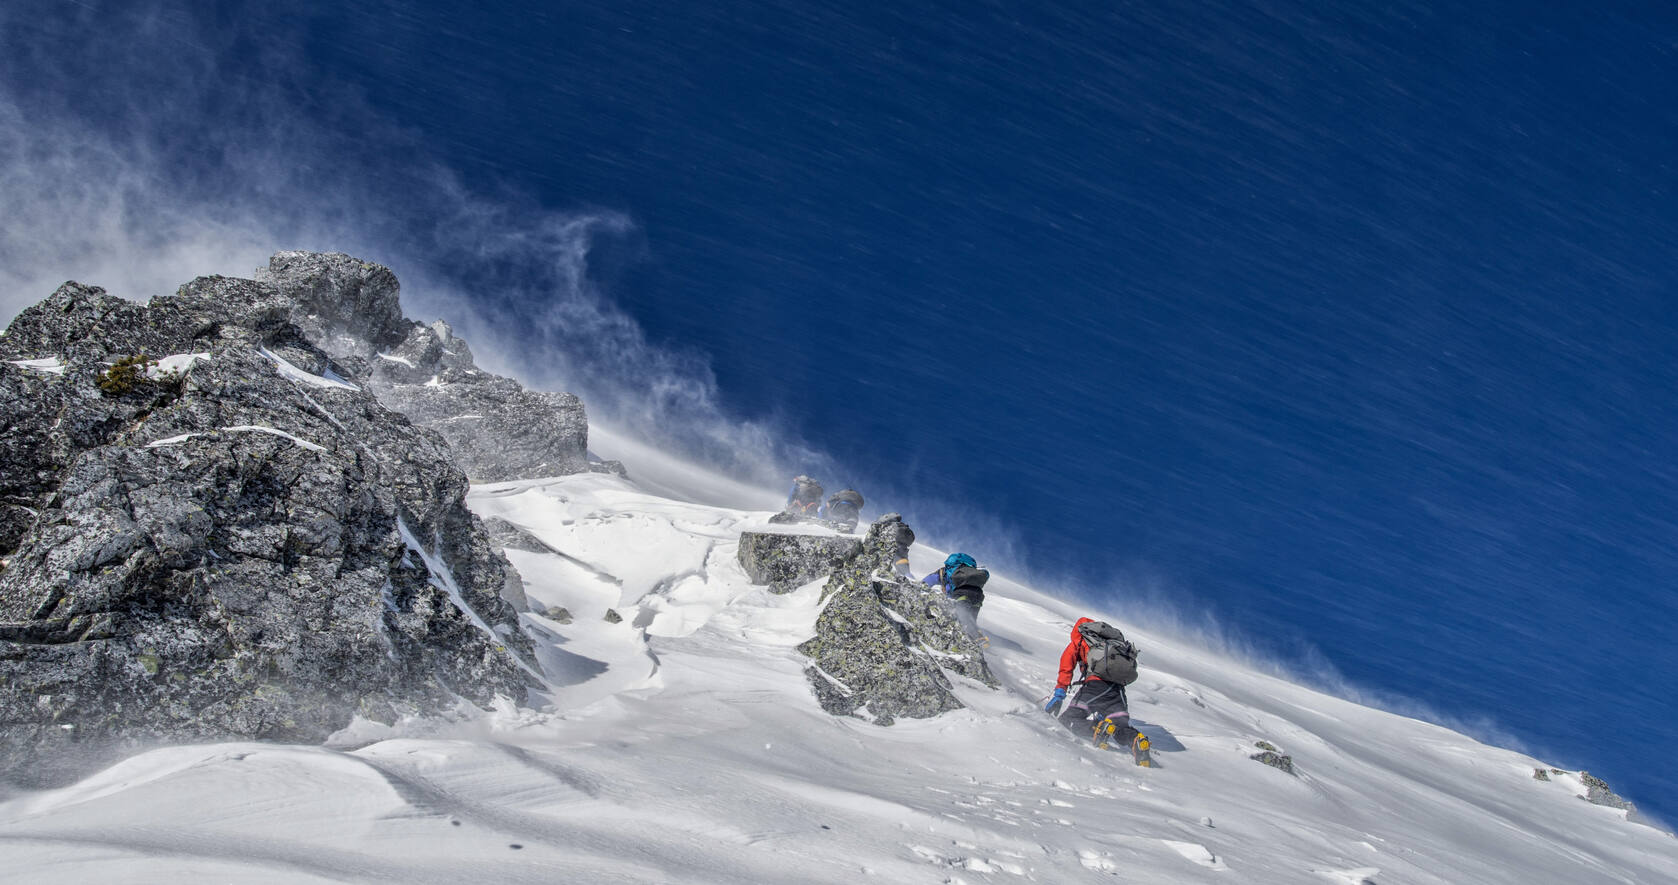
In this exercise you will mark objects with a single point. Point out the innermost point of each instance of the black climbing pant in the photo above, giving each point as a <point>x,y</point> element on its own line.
<point>1099,700</point>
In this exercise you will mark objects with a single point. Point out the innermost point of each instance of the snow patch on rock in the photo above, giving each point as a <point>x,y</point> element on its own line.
<point>51,365</point>
<point>329,381</point>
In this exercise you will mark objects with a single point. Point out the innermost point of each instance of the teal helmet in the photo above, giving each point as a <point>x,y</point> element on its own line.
<point>957,559</point>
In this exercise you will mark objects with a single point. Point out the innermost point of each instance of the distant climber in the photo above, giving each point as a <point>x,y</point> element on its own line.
<point>805,496</point>
<point>804,501</point>
<point>904,539</point>
<point>963,581</point>
<point>842,510</point>
<point>1106,662</point>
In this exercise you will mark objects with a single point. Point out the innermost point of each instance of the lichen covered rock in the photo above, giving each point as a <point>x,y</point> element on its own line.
<point>884,644</point>
<point>1273,757</point>
<point>786,562</point>
<point>246,547</point>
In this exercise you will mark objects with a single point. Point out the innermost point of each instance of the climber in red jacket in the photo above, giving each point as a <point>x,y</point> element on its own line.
<point>1101,699</point>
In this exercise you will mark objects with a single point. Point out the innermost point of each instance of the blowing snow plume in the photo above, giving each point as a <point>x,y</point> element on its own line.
<point>144,146</point>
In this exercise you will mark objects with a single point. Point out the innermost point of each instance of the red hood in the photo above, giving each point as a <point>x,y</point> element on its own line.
<point>1076,636</point>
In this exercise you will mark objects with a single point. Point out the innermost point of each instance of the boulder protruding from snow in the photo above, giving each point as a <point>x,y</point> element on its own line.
<point>1273,757</point>
<point>786,562</point>
<point>497,429</point>
<point>558,614</point>
<point>1597,792</point>
<point>247,546</point>
<point>508,536</point>
<point>885,645</point>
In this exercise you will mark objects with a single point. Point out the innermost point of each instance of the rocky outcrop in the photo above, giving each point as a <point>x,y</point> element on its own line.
<point>558,614</point>
<point>242,544</point>
<point>350,307</point>
<point>786,562</point>
<point>884,644</point>
<point>507,536</point>
<point>1273,757</point>
<point>1597,792</point>
<point>496,428</point>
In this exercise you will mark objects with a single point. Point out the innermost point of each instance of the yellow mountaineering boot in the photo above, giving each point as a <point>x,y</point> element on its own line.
<point>1139,748</point>
<point>1104,731</point>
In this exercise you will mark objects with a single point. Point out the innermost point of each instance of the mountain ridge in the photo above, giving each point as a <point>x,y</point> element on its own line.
<point>668,730</point>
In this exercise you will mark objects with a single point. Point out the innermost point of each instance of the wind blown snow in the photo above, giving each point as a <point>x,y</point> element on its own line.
<point>682,744</point>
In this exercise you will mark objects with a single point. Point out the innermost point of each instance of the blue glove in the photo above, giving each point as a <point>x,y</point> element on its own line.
<point>1060,695</point>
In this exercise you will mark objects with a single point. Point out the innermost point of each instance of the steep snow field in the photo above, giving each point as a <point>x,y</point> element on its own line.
<point>684,745</point>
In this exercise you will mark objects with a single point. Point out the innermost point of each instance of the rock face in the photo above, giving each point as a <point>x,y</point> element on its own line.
<point>1597,792</point>
<point>247,546</point>
<point>496,428</point>
<point>883,643</point>
<point>786,562</point>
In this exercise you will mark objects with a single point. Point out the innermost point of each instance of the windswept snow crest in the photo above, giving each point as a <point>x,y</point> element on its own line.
<point>683,745</point>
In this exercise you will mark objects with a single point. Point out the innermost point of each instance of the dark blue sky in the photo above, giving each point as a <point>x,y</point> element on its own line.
<point>1349,329</point>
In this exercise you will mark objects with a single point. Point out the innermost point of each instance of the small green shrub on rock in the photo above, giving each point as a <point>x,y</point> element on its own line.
<point>126,374</point>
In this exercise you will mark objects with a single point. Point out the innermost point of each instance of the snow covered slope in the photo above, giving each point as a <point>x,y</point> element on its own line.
<point>684,745</point>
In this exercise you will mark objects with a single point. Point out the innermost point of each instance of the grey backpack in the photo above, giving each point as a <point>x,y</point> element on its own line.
<point>1111,657</point>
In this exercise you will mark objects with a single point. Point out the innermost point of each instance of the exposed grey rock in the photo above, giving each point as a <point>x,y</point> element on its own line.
<point>512,586</point>
<point>496,428</point>
<point>233,554</point>
<point>345,305</point>
<point>1539,774</point>
<point>504,534</point>
<point>1273,757</point>
<point>86,329</point>
<point>786,562</point>
<point>615,468</point>
<point>883,643</point>
<point>612,616</point>
<point>558,614</point>
<point>1597,792</point>
<point>26,447</point>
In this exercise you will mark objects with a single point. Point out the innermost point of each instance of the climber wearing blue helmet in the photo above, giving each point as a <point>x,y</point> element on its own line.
<point>962,581</point>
